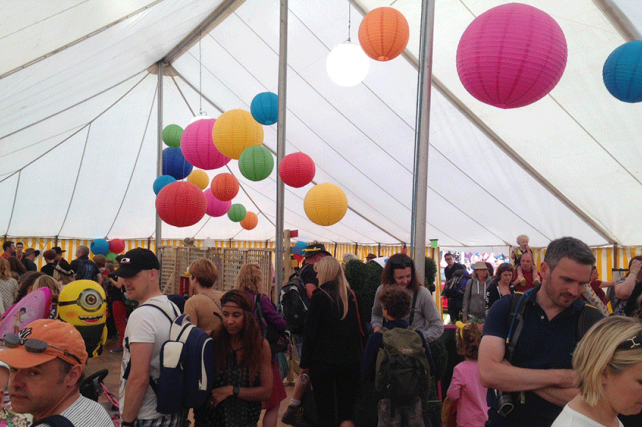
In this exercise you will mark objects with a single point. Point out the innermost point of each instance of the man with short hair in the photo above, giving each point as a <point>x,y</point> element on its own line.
<point>47,360</point>
<point>28,259</point>
<point>147,329</point>
<point>8,249</point>
<point>539,374</point>
<point>19,248</point>
<point>84,268</point>
<point>525,276</point>
<point>455,305</point>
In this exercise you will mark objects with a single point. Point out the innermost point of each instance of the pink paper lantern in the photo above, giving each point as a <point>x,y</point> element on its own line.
<point>511,55</point>
<point>297,170</point>
<point>116,245</point>
<point>216,207</point>
<point>198,147</point>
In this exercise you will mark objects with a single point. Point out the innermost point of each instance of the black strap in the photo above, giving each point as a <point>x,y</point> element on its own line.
<point>54,421</point>
<point>412,310</point>
<point>218,304</point>
<point>259,310</point>
<point>518,307</point>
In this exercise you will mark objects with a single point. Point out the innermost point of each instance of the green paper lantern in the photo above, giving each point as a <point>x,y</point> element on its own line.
<point>237,212</point>
<point>172,135</point>
<point>111,256</point>
<point>256,163</point>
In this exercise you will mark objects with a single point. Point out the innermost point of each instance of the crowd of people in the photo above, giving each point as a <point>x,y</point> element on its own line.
<point>533,353</point>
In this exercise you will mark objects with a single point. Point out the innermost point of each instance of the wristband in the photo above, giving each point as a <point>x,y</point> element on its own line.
<point>235,391</point>
<point>128,423</point>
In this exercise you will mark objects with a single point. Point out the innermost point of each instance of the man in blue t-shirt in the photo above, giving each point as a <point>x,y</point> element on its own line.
<point>539,376</point>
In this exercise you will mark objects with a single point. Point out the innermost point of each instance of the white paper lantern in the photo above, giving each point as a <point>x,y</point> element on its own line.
<point>347,64</point>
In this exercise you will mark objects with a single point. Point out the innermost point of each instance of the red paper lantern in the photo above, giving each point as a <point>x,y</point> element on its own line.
<point>215,207</point>
<point>181,204</point>
<point>384,33</point>
<point>250,221</point>
<point>225,186</point>
<point>116,245</point>
<point>297,170</point>
<point>198,146</point>
<point>511,55</point>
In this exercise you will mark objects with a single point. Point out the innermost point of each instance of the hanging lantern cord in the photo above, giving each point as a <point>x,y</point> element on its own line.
<point>200,80</point>
<point>349,20</point>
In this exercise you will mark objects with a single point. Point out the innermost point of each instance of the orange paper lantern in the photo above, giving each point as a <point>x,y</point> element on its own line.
<point>224,186</point>
<point>383,33</point>
<point>250,221</point>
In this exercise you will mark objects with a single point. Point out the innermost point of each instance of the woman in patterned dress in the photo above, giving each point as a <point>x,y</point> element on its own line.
<point>243,366</point>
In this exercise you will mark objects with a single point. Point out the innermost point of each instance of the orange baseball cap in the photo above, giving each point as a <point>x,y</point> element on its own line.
<point>55,333</point>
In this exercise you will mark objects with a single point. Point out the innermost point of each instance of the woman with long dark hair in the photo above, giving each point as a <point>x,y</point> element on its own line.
<point>424,316</point>
<point>332,344</point>
<point>244,371</point>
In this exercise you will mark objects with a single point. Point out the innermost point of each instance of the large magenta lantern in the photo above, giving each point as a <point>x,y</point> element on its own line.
<point>511,55</point>
<point>198,146</point>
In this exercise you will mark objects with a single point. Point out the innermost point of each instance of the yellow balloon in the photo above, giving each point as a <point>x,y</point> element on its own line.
<point>234,131</point>
<point>199,178</point>
<point>325,204</point>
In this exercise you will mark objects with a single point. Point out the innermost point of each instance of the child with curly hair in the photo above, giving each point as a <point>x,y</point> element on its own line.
<point>466,388</point>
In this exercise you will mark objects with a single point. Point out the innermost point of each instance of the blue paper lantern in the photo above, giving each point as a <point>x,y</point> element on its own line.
<point>162,181</point>
<point>99,247</point>
<point>265,108</point>
<point>174,163</point>
<point>297,249</point>
<point>622,72</point>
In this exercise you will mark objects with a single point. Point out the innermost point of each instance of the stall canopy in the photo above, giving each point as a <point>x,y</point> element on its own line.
<point>78,122</point>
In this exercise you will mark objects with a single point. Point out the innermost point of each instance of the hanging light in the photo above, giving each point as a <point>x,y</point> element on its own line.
<point>347,64</point>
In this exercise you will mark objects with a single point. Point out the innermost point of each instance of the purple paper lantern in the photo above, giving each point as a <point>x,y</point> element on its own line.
<point>511,55</point>
<point>198,147</point>
<point>215,207</point>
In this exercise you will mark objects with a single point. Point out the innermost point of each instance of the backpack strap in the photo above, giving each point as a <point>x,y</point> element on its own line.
<point>587,318</point>
<point>518,307</point>
<point>412,309</point>
<point>362,334</point>
<point>258,310</point>
<point>54,421</point>
<point>218,304</point>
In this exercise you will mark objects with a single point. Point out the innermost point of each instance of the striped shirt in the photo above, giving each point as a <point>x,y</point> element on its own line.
<point>86,413</point>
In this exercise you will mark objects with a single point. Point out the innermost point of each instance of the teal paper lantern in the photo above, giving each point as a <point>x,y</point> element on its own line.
<point>172,135</point>
<point>162,181</point>
<point>622,72</point>
<point>99,247</point>
<point>265,108</point>
<point>237,212</point>
<point>256,163</point>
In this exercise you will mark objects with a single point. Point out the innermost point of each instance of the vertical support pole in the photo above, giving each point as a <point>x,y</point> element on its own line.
<point>420,183</point>
<point>280,145</point>
<point>159,146</point>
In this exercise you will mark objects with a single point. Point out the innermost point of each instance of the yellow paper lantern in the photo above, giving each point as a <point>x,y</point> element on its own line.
<point>234,131</point>
<point>325,204</point>
<point>199,178</point>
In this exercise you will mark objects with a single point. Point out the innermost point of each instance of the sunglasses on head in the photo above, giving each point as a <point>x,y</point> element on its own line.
<point>401,262</point>
<point>33,345</point>
<point>630,343</point>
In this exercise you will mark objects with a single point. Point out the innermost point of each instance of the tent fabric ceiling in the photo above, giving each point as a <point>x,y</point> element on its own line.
<point>78,127</point>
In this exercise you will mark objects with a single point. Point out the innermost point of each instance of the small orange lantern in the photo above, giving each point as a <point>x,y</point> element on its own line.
<point>250,221</point>
<point>224,186</point>
<point>384,33</point>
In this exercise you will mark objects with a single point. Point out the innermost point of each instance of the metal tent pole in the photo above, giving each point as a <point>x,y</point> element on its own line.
<point>420,183</point>
<point>159,146</point>
<point>280,146</point>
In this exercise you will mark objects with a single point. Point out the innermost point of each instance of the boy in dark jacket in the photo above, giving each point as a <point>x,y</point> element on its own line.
<point>395,303</point>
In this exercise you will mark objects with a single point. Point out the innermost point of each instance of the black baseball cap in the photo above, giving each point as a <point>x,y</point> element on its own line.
<point>314,249</point>
<point>135,261</point>
<point>58,249</point>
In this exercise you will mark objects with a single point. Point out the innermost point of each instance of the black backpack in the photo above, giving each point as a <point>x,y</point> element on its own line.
<point>87,270</point>
<point>278,341</point>
<point>295,304</point>
<point>456,286</point>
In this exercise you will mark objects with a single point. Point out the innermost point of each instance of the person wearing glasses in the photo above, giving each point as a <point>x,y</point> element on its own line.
<point>46,361</point>
<point>608,372</point>
<point>424,316</point>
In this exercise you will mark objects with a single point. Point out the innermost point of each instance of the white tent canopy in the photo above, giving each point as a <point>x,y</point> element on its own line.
<point>78,123</point>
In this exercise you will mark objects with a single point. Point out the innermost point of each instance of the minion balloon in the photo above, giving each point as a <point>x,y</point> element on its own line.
<point>83,304</point>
